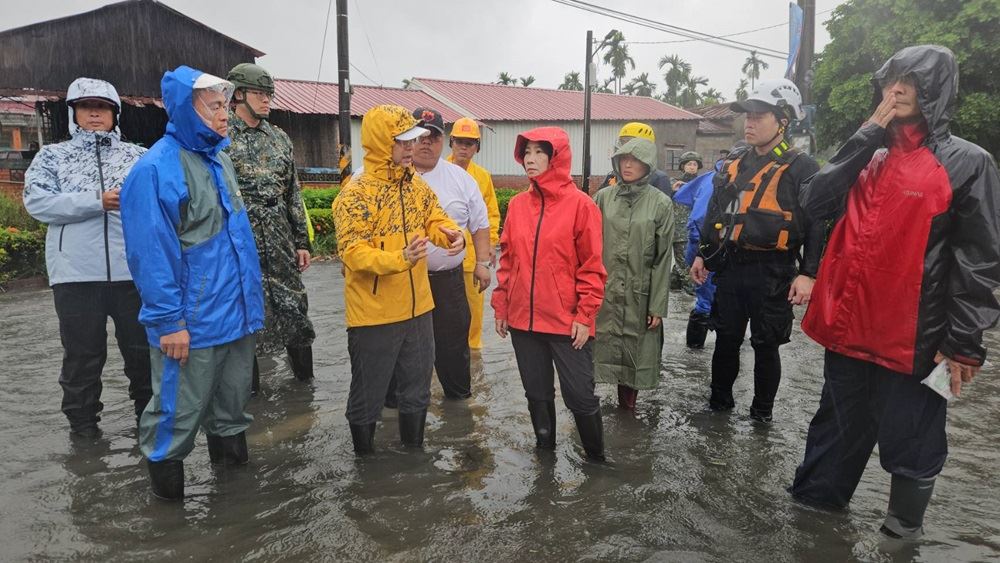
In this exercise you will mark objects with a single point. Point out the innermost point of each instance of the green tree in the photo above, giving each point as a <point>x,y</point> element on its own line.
<point>752,67</point>
<point>689,96</point>
<point>571,82</point>
<point>527,80</point>
<point>676,76</point>
<point>406,82</point>
<point>640,86</point>
<point>741,90</point>
<point>865,33</point>
<point>711,97</point>
<point>605,88</point>
<point>506,79</point>
<point>617,56</point>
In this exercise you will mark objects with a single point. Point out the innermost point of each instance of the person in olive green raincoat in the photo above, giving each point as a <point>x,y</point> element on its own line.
<point>638,238</point>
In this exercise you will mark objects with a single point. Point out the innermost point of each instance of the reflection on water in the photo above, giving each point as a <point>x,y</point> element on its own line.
<point>684,484</point>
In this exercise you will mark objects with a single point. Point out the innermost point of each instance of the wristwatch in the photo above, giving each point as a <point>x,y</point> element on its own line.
<point>484,263</point>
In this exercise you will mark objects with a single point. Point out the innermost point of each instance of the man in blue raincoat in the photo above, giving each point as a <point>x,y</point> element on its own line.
<point>192,255</point>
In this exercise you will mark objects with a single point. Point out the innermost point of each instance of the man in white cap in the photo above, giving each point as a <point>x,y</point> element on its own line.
<point>73,187</point>
<point>385,217</point>
<point>192,254</point>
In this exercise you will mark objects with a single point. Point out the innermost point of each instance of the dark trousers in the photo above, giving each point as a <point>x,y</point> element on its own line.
<point>83,310</point>
<point>451,332</point>
<point>403,352</point>
<point>864,404</point>
<point>754,293</point>
<point>536,353</point>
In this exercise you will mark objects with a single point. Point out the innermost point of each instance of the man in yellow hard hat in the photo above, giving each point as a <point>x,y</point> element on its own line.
<point>659,179</point>
<point>465,143</point>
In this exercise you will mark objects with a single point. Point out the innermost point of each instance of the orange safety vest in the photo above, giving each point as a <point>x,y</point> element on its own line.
<point>761,223</point>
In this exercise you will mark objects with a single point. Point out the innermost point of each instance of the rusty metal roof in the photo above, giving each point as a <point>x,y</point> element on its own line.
<point>304,96</point>
<point>493,102</point>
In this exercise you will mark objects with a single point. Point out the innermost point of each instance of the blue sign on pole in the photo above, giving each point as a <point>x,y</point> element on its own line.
<point>794,38</point>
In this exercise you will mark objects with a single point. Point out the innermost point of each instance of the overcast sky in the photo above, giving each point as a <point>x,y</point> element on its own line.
<point>474,40</point>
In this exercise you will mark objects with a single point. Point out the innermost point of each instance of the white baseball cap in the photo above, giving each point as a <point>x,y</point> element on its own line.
<point>412,133</point>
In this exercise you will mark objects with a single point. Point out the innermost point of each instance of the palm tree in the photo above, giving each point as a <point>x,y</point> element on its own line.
<point>571,82</point>
<point>640,86</point>
<point>527,81</point>
<point>689,96</point>
<point>711,97</point>
<point>676,76</point>
<point>741,90</point>
<point>752,67</point>
<point>506,79</point>
<point>605,88</point>
<point>617,56</point>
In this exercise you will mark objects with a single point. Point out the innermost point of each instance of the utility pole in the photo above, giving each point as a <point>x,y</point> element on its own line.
<point>343,91</point>
<point>585,185</point>
<point>803,67</point>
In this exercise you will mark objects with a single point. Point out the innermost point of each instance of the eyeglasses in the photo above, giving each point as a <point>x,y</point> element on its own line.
<point>431,138</point>
<point>407,143</point>
<point>261,94</point>
<point>463,142</point>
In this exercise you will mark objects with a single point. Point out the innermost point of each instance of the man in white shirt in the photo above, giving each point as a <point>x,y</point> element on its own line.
<point>461,199</point>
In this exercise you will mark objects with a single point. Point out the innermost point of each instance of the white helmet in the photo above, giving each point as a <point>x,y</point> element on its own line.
<point>767,95</point>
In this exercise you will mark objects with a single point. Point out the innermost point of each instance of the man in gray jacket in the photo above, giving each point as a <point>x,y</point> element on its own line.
<point>73,186</point>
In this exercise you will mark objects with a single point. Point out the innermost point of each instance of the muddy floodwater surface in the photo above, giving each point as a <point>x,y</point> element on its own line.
<point>683,484</point>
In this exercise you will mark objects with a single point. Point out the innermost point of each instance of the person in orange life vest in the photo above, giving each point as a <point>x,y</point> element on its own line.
<point>763,251</point>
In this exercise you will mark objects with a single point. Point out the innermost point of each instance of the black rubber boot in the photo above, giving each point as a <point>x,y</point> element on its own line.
<point>363,436</point>
<point>167,479</point>
<point>591,429</point>
<point>301,359</point>
<point>228,450</point>
<point>411,428</point>
<point>908,499</point>
<point>697,330</point>
<point>543,420</point>
<point>255,383</point>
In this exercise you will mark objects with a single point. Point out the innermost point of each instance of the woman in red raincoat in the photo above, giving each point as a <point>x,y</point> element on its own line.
<point>550,286</point>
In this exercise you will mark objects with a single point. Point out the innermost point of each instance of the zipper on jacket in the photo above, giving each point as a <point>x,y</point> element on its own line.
<point>100,174</point>
<point>534,261</point>
<point>61,231</point>
<point>381,246</point>
<point>402,209</point>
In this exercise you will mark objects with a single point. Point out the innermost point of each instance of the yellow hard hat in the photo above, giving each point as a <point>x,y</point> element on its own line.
<point>465,128</point>
<point>636,129</point>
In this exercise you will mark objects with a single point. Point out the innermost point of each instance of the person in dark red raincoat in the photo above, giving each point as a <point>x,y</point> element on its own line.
<point>906,282</point>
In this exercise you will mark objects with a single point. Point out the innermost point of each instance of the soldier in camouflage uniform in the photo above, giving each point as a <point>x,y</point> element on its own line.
<point>689,166</point>
<point>262,156</point>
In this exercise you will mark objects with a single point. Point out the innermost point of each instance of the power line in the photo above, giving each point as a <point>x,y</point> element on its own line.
<point>361,72</point>
<point>782,24</point>
<point>672,29</point>
<point>371,50</point>
<point>322,51</point>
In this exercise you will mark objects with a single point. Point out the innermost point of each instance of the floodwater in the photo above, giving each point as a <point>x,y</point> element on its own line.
<point>683,485</point>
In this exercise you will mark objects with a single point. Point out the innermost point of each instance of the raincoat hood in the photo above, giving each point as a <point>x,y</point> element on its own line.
<point>92,88</point>
<point>185,125</point>
<point>935,73</point>
<point>557,176</point>
<point>641,149</point>
<point>379,128</point>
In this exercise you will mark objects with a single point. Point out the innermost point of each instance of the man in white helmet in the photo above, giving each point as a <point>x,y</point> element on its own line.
<point>73,187</point>
<point>763,250</point>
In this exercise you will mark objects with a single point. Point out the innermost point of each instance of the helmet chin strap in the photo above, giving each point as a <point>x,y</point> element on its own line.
<point>246,104</point>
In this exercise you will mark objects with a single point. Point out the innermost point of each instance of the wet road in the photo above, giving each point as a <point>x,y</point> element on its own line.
<point>684,485</point>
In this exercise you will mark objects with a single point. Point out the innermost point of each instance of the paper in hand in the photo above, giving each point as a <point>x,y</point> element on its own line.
<point>939,381</point>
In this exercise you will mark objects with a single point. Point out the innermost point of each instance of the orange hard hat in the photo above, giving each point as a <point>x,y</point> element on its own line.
<point>465,128</point>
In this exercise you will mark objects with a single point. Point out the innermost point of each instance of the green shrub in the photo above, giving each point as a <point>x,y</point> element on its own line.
<point>319,199</point>
<point>503,200</point>
<point>325,243</point>
<point>13,214</point>
<point>22,254</point>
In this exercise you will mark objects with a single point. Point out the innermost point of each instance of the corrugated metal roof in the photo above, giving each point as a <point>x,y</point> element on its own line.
<point>30,95</point>
<point>716,111</point>
<point>304,96</point>
<point>709,127</point>
<point>493,102</point>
